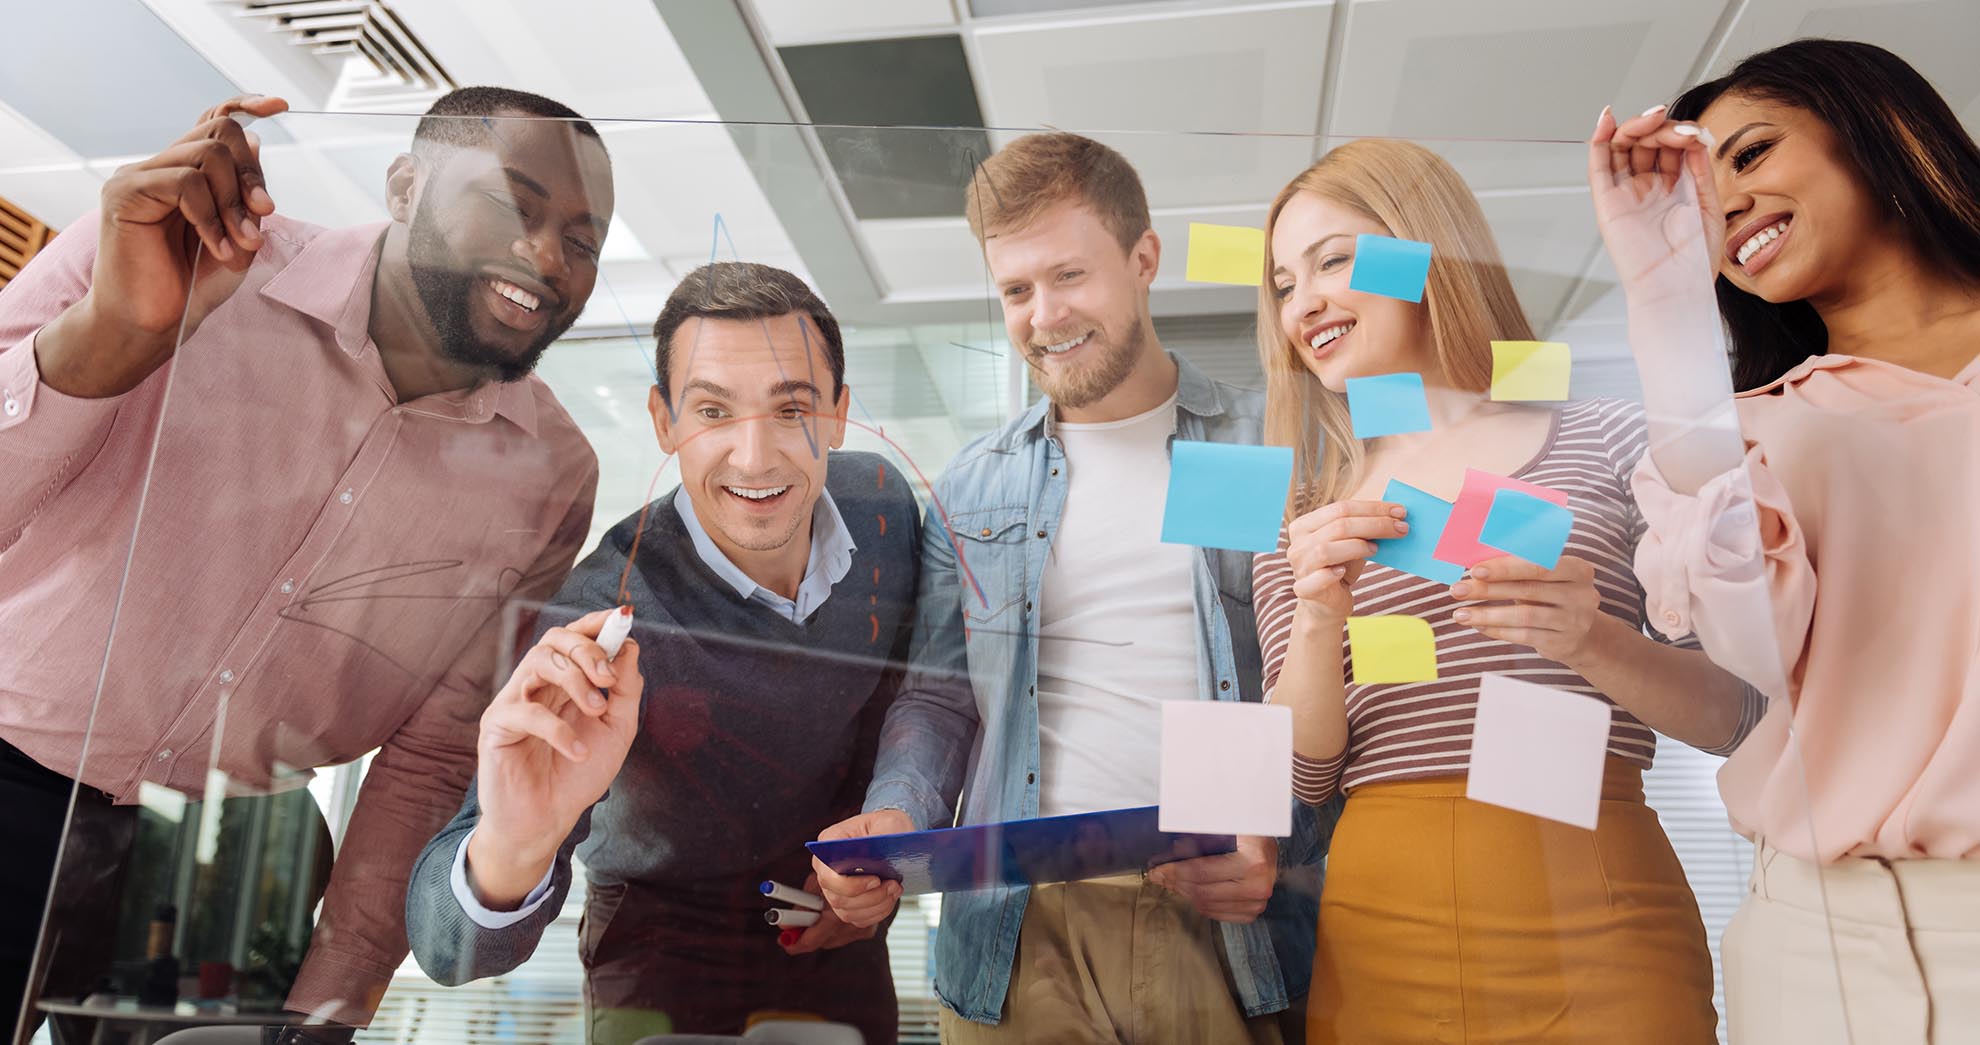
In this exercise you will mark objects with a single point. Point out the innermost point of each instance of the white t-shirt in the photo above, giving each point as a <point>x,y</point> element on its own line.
<point>1117,620</point>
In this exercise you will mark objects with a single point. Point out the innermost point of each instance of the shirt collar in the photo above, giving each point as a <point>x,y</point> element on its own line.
<point>830,560</point>
<point>330,280</point>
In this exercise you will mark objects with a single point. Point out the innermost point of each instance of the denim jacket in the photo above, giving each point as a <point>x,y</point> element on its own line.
<point>966,721</point>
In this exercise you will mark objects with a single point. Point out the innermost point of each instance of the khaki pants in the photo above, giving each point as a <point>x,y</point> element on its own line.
<point>1896,957</point>
<point>1115,960</point>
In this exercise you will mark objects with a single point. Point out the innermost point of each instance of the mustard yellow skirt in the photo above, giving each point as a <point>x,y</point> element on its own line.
<point>1447,920</point>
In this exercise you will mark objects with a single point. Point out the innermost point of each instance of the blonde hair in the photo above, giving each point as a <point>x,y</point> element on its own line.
<point>1039,170</point>
<point>1418,196</point>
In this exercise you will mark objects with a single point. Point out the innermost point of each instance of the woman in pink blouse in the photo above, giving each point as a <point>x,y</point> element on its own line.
<point>1827,548</point>
<point>1445,919</point>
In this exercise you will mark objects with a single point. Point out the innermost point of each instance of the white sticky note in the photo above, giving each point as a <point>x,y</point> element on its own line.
<point>1538,750</point>
<point>1226,768</point>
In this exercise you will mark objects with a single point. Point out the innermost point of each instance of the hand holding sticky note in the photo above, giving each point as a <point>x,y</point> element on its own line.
<point>1223,495</point>
<point>1459,543</point>
<point>1392,649</point>
<point>1226,768</point>
<point>1529,370</point>
<point>1527,526</point>
<point>1225,254</point>
<point>1415,551</point>
<point>1538,750</point>
<point>1394,268</point>
<point>1387,404</point>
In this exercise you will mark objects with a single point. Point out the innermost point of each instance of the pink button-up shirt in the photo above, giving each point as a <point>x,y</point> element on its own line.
<point>1839,565</point>
<point>318,571</point>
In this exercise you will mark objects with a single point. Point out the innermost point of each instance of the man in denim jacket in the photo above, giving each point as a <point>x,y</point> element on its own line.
<point>1048,588</point>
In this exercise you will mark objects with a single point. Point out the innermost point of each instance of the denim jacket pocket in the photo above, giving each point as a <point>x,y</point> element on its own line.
<point>991,542</point>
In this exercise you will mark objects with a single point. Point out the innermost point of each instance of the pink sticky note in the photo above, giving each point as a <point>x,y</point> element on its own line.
<point>1459,544</point>
<point>1538,750</point>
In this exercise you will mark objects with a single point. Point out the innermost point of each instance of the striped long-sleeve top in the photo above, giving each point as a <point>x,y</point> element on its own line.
<point>1404,731</point>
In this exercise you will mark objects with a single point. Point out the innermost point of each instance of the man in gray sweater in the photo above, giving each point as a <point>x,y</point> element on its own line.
<point>772,608</point>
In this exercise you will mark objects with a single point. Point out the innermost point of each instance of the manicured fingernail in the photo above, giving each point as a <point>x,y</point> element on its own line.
<point>1477,573</point>
<point>1461,616</point>
<point>1459,591</point>
<point>1605,112</point>
<point>602,667</point>
<point>1340,571</point>
<point>1401,527</point>
<point>1399,511</point>
<point>248,226</point>
<point>259,197</point>
<point>1685,129</point>
<point>580,748</point>
<point>1655,109</point>
<point>225,251</point>
<point>1705,135</point>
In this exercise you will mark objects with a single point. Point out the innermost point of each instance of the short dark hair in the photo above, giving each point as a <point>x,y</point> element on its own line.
<point>743,290</point>
<point>450,122</point>
<point>1905,147</point>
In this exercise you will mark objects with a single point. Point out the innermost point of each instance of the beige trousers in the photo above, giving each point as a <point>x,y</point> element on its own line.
<point>1895,959</point>
<point>1115,960</point>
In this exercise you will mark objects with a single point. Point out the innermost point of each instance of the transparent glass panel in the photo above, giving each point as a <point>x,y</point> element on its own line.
<point>370,473</point>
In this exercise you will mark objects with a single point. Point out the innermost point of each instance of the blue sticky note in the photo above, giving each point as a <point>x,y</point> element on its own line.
<point>1387,404</point>
<point>1393,268</point>
<point>1413,552</point>
<point>1223,495</point>
<point>1524,525</point>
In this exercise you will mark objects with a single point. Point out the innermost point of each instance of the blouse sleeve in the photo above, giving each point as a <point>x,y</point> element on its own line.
<point>1314,782</point>
<point>1731,564</point>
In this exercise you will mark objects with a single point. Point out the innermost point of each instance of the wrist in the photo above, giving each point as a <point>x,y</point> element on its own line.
<point>501,872</point>
<point>1313,621</point>
<point>1599,648</point>
<point>80,351</point>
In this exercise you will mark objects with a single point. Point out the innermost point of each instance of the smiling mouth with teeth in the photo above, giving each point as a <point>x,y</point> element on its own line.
<point>1065,346</point>
<point>1759,240</point>
<point>756,494</point>
<point>525,300</point>
<point>1329,335</point>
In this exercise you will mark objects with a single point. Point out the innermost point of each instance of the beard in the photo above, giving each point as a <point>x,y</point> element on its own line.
<point>446,288</point>
<point>1091,382</point>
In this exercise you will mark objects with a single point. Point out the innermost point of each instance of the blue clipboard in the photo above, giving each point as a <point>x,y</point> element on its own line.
<point>1019,852</point>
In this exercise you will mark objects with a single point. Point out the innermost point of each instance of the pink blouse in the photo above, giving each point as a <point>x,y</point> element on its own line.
<point>1839,566</point>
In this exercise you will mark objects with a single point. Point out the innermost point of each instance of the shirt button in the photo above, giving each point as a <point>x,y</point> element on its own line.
<point>1027,605</point>
<point>226,675</point>
<point>1670,617</point>
<point>1224,685</point>
<point>345,497</point>
<point>986,531</point>
<point>13,407</point>
<point>288,586</point>
<point>1055,471</point>
<point>165,755</point>
<point>1031,778</point>
<point>1041,535</point>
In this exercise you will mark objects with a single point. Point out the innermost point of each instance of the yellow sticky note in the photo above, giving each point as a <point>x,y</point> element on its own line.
<point>1529,370</point>
<point>1225,254</point>
<point>1392,649</point>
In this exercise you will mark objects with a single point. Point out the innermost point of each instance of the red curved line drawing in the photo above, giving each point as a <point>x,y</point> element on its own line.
<point>875,618</point>
<point>883,524</point>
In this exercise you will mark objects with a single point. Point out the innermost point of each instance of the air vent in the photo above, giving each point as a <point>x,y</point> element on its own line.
<point>380,64</point>
<point>21,237</point>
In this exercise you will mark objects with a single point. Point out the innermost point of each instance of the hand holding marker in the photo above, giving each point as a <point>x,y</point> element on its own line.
<point>613,634</point>
<point>791,920</point>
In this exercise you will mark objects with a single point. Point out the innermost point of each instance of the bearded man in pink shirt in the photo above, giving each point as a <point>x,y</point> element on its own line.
<point>300,472</point>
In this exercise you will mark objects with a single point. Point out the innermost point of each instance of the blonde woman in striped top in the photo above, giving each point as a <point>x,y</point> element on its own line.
<point>1444,919</point>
